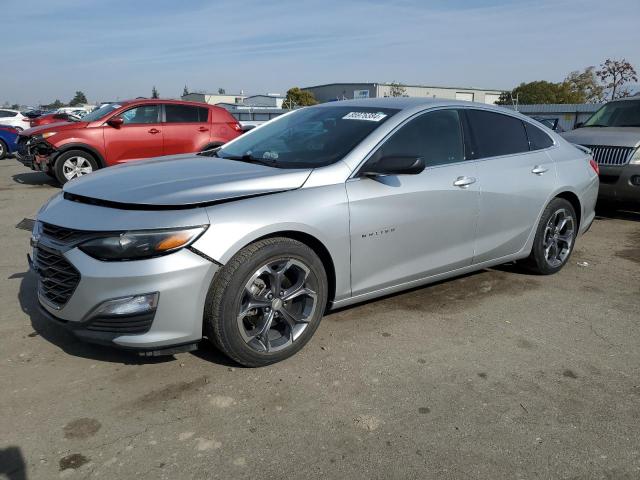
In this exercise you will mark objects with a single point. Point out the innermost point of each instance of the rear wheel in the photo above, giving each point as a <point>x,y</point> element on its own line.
<point>265,304</point>
<point>3,149</point>
<point>74,164</point>
<point>555,238</point>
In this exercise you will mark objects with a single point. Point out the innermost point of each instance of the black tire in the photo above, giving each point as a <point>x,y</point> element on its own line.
<point>59,165</point>
<point>225,298</point>
<point>538,261</point>
<point>3,149</point>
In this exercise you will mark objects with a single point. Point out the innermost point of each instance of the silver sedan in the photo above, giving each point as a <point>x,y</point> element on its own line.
<point>250,244</point>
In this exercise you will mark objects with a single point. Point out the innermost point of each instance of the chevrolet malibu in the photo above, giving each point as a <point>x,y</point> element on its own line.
<point>250,244</point>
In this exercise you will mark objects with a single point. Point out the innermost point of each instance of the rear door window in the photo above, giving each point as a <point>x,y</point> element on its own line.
<point>537,138</point>
<point>494,134</point>
<point>185,114</point>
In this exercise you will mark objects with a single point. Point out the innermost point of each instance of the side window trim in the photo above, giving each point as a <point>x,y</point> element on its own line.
<point>374,149</point>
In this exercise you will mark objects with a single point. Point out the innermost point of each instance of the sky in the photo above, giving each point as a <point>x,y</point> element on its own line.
<point>119,49</point>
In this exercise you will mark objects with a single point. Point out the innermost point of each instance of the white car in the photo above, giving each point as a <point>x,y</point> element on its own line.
<point>13,118</point>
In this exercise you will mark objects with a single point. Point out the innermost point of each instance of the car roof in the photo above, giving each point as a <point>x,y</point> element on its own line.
<point>413,103</point>
<point>143,101</point>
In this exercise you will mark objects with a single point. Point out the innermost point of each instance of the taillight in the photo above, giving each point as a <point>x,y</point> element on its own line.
<point>594,165</point>
<point>236,126</point>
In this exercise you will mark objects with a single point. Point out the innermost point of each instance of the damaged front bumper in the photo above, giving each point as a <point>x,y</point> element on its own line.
<point>35,153</point>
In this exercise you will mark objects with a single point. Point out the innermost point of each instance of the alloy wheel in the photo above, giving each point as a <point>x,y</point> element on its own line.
<point>277,304</point>
<point>74,167</point>
<point>558,237</point>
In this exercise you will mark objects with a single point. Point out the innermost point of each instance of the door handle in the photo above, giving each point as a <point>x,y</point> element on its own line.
<point>203,129</point>
<point>154,131</point>
<point>539,170</point>
<point>463,182</point>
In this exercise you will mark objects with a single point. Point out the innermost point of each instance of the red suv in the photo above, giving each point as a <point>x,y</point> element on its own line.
<point>122,132</point>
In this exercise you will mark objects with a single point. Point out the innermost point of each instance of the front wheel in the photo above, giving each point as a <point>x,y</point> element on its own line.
<point>74,164</point>
<point>266,302</point>
<point>555,238</point>
<point>3,149</point>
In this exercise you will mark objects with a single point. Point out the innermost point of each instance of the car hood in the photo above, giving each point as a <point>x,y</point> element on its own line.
<point>181,181</point>
<point>613,136</point>
<point>58,126</point>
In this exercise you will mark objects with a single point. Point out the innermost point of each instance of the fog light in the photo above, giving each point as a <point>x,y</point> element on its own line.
<point>635,180</point>
<point>135,305</point>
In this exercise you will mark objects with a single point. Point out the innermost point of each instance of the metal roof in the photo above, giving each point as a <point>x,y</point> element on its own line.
<point>374,84</point>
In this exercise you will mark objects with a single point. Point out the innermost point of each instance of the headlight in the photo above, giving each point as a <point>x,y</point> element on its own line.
<point>48,134</point>
<point>141,244</point>
<point>635,160</point>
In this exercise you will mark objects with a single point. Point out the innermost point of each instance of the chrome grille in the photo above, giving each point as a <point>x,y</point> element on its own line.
<point>607,155</point>
<point>57,278</point>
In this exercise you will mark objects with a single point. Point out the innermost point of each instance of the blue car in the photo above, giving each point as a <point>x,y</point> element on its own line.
<point>8,140</point>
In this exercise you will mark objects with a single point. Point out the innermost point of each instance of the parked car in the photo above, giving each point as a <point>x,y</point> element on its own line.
<point>34,113</point>
<point>122,132</point>
<point>8,140</point>
<point>53,118</point>
<point>613,135</point>
<point>13,118</point>
<point>320,208</point>
<point>552,123</point>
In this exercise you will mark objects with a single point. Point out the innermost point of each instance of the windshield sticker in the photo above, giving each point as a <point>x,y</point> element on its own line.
<point>367,116</point>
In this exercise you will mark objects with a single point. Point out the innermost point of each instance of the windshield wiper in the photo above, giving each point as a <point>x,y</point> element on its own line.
<point>248,159</point>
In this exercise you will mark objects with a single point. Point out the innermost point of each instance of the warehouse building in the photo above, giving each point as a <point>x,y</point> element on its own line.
<point>214,98</point>
<point>343,91</point>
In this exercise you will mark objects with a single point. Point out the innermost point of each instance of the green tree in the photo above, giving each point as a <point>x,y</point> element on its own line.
<point>299,98</point>
<point>54,106</point>
<point>185,91</point>
<point>586,85</point>
<point>541,91</point>
<point>154,92</point>
<point>397,90</point>
<point>614,74</point>
<point>79,99</point>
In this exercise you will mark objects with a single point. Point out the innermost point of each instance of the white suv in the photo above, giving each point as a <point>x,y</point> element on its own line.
<point>13,118</point>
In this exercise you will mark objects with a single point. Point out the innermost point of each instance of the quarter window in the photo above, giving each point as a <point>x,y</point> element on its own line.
<point>434,136</point>
<point>185,114</point>
<point>495,134</point>
<point>537,138</point>
<point>140,115</point>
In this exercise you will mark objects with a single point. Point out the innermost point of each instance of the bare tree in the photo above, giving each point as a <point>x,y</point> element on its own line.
<point>614,74</point>
<point>397,90</point>
<point>586,85</point>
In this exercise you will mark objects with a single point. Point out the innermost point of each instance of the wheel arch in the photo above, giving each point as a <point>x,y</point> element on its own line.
<point>573,199</point>
<point>84,147</point>
<point>311,241</point>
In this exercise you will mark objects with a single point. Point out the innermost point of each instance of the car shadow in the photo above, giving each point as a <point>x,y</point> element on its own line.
<point>618,212</point>
<point>12,463</point>
<point>35,179</point>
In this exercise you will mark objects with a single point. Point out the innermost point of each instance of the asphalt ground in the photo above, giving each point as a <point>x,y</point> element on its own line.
<point>494,375</point>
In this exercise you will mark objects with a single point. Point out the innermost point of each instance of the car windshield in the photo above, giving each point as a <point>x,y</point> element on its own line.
<point>100,112</point>
<point>616,114</point>
<point>309,137</point>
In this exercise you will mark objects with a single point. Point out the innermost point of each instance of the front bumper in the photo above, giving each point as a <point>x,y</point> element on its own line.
<point>620,183</point>
<point>181,278</point>
<point>35,154</point>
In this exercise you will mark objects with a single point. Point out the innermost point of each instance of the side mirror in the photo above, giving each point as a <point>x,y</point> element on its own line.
<point>394,166</point>
<point>115,122</point>
<point>579,125</point>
